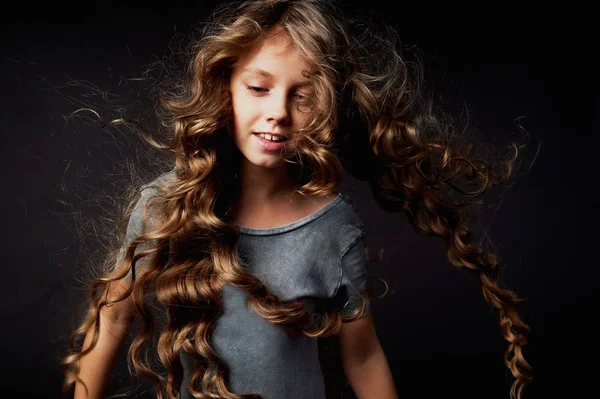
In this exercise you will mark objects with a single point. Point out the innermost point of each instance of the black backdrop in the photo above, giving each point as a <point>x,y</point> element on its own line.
<point>440,336</point>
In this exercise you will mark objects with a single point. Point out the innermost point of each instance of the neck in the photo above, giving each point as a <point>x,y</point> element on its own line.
<point>260,185</point>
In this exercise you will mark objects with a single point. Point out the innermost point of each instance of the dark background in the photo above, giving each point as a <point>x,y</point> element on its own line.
<point>508,64</point>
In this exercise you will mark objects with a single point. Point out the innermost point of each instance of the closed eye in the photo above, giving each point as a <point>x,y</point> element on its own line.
<point>256,89</point>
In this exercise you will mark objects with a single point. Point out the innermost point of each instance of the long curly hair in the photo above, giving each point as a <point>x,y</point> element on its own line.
<point>369,117</point>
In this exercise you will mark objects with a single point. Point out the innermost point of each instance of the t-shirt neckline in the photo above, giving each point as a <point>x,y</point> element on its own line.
<point>293,225</point>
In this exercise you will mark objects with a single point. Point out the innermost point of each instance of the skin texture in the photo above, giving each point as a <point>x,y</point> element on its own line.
<point>267,87</point>
<point>268,90</point>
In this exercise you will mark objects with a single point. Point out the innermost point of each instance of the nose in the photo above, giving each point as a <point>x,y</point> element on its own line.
<point>277,108</point>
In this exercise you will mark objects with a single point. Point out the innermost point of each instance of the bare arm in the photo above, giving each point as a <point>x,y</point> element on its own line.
<point>364,361</point>
<point>95,367</point>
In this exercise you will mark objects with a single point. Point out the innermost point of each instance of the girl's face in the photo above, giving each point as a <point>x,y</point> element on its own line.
<point>268,94</point>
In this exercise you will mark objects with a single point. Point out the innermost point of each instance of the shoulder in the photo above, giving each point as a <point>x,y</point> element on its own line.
<point>157,185</point>
<point>332,213</point>
<point>348,212</point>
<point>310,205</point>
<point>343,223</point>
<point>146,192</point>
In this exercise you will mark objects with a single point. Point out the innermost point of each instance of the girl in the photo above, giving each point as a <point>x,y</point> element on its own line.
<point>245,246</point>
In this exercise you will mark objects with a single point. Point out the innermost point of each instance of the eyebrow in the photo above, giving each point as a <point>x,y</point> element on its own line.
<point>269,75</point>
<point>257,71</point>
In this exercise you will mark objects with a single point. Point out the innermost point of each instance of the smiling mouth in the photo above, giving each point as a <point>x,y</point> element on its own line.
<point>272,137</point>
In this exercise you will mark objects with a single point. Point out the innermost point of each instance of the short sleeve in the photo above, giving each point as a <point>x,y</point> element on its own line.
<point>136,225</point>
<point>354,279</point>
<point>134,229</point>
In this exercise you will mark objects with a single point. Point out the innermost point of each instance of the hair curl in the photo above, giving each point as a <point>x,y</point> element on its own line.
<point>369,117</point>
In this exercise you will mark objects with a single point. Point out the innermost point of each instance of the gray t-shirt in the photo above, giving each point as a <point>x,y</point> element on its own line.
<point>319,259</point>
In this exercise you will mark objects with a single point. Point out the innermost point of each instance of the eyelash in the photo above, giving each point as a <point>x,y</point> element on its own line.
<point>256,89</point>
<point>259,90</point>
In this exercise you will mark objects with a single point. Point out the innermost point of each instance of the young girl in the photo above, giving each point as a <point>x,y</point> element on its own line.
<point>245,246</point>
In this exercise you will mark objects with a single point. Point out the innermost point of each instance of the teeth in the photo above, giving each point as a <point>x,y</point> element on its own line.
<point>270,137</point>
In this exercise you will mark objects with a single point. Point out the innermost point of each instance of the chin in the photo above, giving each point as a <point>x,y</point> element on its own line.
<point>271,165</point>
<point>266,163</point>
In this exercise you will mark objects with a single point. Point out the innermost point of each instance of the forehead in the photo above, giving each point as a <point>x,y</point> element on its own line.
<point>276,56</point>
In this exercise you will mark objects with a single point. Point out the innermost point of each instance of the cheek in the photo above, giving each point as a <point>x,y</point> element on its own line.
<point>243,118</point>
<point>236,110</point>
<point>241,107</point>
